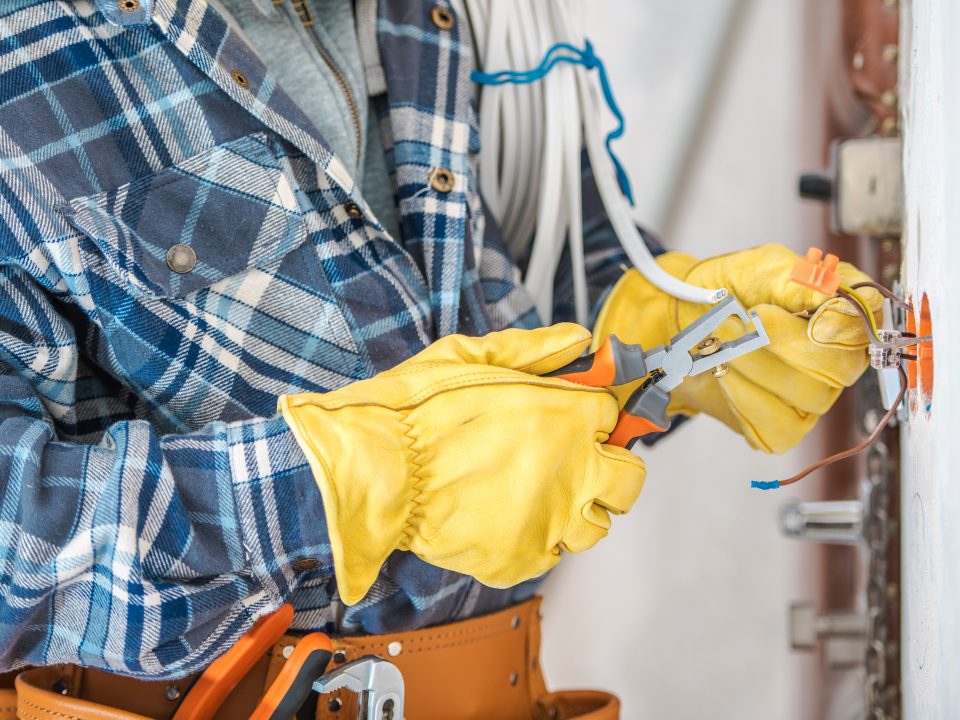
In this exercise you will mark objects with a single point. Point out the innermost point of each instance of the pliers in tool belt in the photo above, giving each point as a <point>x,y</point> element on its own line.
<point>377,682</point>
<point>692,351</point>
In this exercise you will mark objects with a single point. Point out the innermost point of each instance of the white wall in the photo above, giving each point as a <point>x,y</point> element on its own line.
<point>930,494</point>
<point>682,610</point>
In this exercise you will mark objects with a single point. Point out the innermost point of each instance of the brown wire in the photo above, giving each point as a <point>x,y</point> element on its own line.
<point>874,340</point>
<point>872,438</point>
<point>886,292</point>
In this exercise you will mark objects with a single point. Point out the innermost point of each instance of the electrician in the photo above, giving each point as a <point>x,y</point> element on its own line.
<point>210,207</point>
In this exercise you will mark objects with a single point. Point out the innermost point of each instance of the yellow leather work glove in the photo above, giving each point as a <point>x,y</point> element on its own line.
<point>465,456</point>
<point>772,396</point>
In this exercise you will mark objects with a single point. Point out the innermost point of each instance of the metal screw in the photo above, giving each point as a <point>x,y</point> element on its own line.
<point>339,657</point>
<point>388,709</point>
<point>61,688</point>
<point>720,370</point>
<point>514,678</point>
<point>394,648</point>
<point>172,693</point>
<point>709,346</point>
<point>515,622</point>
<point>288,650</point>
<point>335,704</point>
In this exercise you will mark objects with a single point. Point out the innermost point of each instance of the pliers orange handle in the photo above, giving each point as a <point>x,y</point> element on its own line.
<point>617,363</point>
<point>287,693</point>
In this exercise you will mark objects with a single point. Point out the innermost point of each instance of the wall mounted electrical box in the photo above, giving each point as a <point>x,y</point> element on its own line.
<point>865,187</point>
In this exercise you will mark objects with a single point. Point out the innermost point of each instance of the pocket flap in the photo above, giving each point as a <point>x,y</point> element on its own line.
<point>234,205</point>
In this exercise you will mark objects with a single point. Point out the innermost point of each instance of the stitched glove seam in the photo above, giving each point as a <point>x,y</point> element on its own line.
<point>418,486</point>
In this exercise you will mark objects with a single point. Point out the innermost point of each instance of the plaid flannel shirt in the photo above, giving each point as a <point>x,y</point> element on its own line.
<point>152,503</point>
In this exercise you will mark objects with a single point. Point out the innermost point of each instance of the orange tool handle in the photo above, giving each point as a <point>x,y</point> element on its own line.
<point>630,427</point>
<point>222,676</point>
<point>598,369</point>
<point>290,690</point>
<point>614,363</point>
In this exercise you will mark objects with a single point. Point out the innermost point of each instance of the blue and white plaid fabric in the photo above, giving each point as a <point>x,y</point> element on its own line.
<point>152,505</point>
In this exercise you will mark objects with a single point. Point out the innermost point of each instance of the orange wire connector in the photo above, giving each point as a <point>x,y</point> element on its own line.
<point>817,272</point>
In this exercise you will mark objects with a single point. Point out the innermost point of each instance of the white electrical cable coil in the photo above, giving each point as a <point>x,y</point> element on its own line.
<point>531,140</point>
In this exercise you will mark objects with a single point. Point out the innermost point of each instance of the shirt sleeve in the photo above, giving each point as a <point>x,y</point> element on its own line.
<point>140,553</point>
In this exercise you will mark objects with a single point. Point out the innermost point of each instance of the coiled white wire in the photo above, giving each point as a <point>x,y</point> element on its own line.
<point>531,140</point>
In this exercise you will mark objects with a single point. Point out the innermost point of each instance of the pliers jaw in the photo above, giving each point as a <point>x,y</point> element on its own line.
<point>686,355</point>
<point>689,353</point>
<point>731,349</point>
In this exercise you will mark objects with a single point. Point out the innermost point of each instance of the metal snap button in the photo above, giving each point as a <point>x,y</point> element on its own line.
<point>354,211</point>
<point>181,258</point>
<point>240,79</point>
<point>442,179</point>
<point>442,17</point>
<point>129,6</point>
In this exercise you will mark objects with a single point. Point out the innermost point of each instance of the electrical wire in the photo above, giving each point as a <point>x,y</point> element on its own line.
<point>873,332</point>
<point>871,438</point>
<point>837,457</point>
<point>886,292</point>
<point>851,295</point>
<point>531,138</point>
<point>860,304</point>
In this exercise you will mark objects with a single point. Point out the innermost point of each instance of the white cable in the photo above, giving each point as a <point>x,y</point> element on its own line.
<point>531,138</point>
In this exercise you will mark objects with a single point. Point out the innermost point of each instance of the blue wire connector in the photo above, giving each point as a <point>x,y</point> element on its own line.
<point>765,484</point>
<point>588,59</point>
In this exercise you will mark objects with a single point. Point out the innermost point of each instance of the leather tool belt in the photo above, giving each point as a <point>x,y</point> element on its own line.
<point>486,667</point>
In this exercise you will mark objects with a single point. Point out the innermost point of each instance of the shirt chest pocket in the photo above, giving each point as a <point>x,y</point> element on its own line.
<point>209,294</point>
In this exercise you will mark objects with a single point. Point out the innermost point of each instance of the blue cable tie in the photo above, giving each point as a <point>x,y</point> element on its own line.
<point>765,484</point>
<point>588,59</point>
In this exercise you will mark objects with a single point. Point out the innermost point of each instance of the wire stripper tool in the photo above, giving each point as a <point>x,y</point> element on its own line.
<point>692,351</point>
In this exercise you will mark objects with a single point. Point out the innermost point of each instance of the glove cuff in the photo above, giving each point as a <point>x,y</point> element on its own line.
<point>367,493</point>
